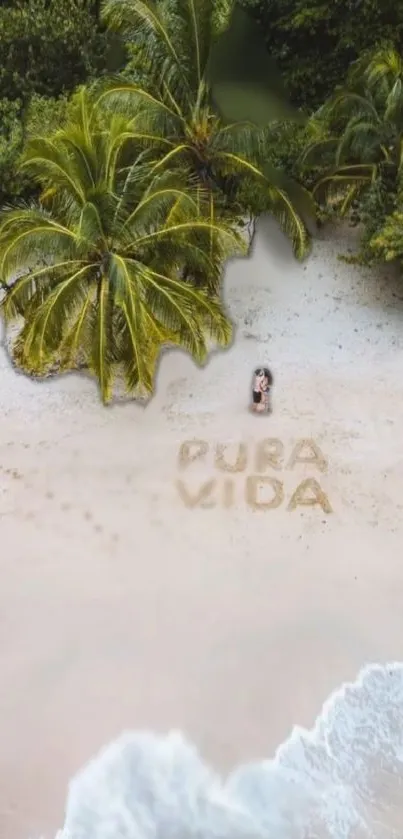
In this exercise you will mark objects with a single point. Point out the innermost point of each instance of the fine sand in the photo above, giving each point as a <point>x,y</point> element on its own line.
<point>121,608</point>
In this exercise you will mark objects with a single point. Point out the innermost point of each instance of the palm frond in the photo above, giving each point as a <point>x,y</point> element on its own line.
<point>108,271</point>
<point>187,311</point>
<point>335,186</point>
<point>385,64</point>
<point>348,103</point>
<point>75,343</point>
<point>361,140</point>
<point>103,353</point>
<point>175,37</point>
<point>320,151</point>
<point>290,222</point>
<point>152,27</point>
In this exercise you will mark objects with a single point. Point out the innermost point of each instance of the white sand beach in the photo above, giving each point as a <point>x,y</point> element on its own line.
<point>121,608</point>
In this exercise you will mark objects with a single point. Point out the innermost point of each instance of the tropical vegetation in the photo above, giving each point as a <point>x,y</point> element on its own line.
<point>99,258</point>
<point>169,87</point>
<point>315,43</point>
<point>137,192</point>
<point>137,137</point>
<point>355,142</point>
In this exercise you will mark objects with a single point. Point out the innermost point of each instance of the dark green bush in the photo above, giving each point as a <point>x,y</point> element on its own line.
<point>314,42</point>
<point>47,48</point>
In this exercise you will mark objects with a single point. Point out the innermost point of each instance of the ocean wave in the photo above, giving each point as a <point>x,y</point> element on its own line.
<point>342,779</point>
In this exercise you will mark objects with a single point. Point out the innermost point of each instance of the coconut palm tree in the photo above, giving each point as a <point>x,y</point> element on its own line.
<point>94,268</point>
<point>168,81</point>
<point>358,134</point>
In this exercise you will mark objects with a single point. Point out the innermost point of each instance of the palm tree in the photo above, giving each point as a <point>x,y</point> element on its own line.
<point>171,45</point>
<point>358,134</point>
<point>94,268</point>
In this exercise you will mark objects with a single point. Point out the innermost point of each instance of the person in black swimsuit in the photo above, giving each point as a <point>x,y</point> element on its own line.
<point>268,376</point>
<point>262,384</point>
<point>258,377</point>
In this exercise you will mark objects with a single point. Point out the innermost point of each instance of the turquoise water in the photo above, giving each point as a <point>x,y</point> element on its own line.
<point>342,779</point>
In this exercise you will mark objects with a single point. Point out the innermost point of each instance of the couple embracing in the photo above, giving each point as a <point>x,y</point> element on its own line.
<point>262,384</point>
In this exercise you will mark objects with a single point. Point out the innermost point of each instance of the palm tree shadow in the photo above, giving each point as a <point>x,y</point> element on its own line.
<point>273,242</point>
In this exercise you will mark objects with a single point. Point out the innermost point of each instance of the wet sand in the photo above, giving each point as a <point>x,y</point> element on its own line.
<point>121,608</point>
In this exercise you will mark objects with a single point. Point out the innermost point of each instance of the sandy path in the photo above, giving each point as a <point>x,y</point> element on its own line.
<point>120,608</point>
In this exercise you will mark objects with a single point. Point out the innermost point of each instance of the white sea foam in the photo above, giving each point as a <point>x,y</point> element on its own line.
<point>344,778</point>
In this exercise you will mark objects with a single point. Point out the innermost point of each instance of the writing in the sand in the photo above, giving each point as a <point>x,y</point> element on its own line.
<point>261,491</point>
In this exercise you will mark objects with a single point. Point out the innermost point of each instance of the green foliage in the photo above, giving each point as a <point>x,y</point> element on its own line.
<point>314,42</point>
<point>11,139</point>
<point>44,115</point>
<point>48,47</point>
<point>101,256</point>
<point>172,92</point>
<point>375,211</point>
<point>357,143</point>
<point>387,244</point>
<point>41,116</point>
<point>133,190</point>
